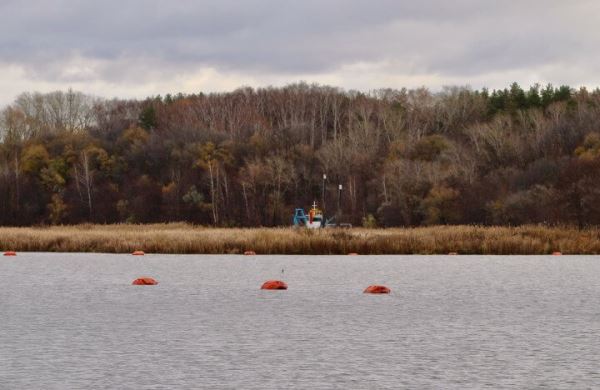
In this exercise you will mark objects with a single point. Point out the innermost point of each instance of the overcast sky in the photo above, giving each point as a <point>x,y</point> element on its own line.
<point>145,47</point>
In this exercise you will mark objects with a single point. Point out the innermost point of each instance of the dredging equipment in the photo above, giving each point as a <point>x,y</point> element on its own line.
<point>315,219</point>
<point>312,220</point>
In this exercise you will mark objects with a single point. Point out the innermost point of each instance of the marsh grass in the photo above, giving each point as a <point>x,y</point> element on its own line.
<point>184,238</point>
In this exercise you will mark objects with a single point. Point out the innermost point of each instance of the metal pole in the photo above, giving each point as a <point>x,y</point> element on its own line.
<point>339,201</point>
<point>323,197</point>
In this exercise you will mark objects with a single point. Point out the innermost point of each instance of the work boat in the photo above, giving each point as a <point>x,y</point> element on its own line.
<point>313,220</point>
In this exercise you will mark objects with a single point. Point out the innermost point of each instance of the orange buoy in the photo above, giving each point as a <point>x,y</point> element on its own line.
<point>452,254</point>
<point>556,254</point>
<point>274,285</point>
<point>352,254</point>
<point>375,289</point>
<point>138,253</point>
<point>249,253</point>
<point>145,281</point>
<point>10,253</point>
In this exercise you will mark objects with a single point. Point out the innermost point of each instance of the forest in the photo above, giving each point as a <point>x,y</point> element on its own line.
<point>250,157</point>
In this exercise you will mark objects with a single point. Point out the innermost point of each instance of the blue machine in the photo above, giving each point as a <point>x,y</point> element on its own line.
<point>300,218</point>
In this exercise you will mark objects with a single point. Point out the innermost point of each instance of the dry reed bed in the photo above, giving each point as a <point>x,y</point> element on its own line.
<point>184,238</point>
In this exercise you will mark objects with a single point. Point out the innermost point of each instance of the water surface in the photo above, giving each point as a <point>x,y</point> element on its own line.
<point>73,321</point>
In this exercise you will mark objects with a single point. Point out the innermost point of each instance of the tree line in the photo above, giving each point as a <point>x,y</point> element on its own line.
<point>249,157</point>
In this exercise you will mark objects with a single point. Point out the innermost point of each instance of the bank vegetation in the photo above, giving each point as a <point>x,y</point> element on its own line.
<point>187,239</point>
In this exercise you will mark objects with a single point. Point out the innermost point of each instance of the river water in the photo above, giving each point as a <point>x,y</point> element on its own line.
<point>74,321</point>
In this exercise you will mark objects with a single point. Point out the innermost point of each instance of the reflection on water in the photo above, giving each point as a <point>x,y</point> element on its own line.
<point>74,321</point>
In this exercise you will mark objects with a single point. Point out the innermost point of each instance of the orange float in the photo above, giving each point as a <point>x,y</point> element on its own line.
<point>138,253</point>
<point>274,285</point>
<point>249,253</point>
<point>10,253</point>
<point>145,281</point>
<point>352,254</point>
<point>376,289</point>
<point>556,254</point>
<point>452,254</point>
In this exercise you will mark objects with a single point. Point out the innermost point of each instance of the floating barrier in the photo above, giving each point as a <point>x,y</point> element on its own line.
<point>274,285</point>
<point>556,253</point>
<point>249,253</point>
<point>138,253</point>
<point>375,289</point>
<point>10,253</point>
<point>145,281</point>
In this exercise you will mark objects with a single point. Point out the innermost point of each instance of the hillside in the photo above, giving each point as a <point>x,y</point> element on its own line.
<point>249,157</point>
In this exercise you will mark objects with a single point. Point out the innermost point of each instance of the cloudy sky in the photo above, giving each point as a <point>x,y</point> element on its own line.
<point>135,48</point>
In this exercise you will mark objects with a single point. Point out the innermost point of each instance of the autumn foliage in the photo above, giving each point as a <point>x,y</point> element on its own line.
<point>249,157</point>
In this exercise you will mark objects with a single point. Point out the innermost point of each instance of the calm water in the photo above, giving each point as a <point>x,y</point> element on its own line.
<point>73,321</point>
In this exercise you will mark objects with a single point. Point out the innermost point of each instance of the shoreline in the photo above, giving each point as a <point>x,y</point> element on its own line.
<point>181,238</point>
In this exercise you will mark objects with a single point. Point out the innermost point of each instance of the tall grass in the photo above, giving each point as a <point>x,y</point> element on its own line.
<point>184,238</point>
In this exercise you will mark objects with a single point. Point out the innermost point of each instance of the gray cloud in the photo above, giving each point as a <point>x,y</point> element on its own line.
<point>62,42</point>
